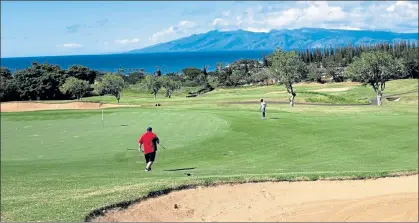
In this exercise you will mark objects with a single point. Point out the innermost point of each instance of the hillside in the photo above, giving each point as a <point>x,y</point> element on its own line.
<point>303,38</point>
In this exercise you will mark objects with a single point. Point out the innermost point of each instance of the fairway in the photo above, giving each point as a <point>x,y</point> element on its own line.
<point>60,165</point>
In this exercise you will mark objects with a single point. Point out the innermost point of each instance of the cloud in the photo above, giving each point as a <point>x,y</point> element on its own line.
<point>70,45</point>
<point>257,30</point>
<point>409,8</point>
<point>181,27</point>
<point>348,27</point>
<point>315,13</point>
<point>400,16</point>
<point>127,41</point>
<point>219,23</point>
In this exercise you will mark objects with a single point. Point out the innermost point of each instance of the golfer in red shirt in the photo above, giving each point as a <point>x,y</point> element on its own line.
<point>150,141</point>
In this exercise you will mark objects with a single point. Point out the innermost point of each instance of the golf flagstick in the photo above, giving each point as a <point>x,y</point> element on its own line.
<point>100,105</point>
<point>103,125</point>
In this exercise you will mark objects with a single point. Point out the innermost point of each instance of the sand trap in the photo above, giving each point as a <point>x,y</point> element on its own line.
<point>277,92</point>
<point>332,89</point>
<point>35,106</point>
<point>386,199</point>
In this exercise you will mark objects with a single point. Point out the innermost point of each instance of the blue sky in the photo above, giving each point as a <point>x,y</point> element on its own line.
<point>81,27</point>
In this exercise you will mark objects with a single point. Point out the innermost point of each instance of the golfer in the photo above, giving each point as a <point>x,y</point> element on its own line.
<point>262,108</point>
<point>150,141</point>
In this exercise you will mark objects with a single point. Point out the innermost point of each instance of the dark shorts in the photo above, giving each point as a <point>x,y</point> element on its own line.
<point>150,157</point>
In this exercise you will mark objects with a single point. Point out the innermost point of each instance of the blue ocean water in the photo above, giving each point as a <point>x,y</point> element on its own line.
<point>172,62</point>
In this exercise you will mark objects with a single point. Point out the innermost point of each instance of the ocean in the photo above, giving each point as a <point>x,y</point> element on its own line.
<point>168,62</point>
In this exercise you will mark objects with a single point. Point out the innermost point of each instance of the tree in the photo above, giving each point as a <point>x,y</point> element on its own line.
<point>204,70</point>
<point>235,78</point>
<point>261,75</point>
<point>333,70</point>
<point>170,85</point>
<point>82,73</point>
<point>288,69</point>
<point>40,81</point>
<point>5,75</point>
<point>411,62</point>
<point>76,87</point>
<point>375,68</point>
<point>265,62</point>
<point>153,84</point>
<point>314,74</point>
<point>8,89</point>
<point>134,77</point>
<point>110,84</point>
<point>194,75</point>
<point>158,72</point>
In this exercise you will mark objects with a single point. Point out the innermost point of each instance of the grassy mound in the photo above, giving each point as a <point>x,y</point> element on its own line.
<point>60,165</point>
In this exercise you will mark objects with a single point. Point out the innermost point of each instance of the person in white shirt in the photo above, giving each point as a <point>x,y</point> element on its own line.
<point>262,108</point>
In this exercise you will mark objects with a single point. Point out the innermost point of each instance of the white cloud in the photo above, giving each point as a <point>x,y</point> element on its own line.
<point>181,27</point>
<point>127,41</point>
<point>257,30</point>
<point>402,5</point>
<point>219,23</point>
<point>186,24</point>
<point>70,45</point>
<point>164,32</point>
<point>315,14</point>
<point>400,16</point>
<point>239,20</point>
<point>348,28</point>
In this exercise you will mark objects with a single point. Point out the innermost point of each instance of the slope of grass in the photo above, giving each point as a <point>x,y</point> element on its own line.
<point>355,94</point>
<point>59,165</point>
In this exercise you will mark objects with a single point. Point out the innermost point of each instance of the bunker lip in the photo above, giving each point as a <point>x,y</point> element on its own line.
<point>133,210</point>
<point>22,106</point>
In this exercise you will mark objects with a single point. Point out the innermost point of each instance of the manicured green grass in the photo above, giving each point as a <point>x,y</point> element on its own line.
<point>355,94</point>
<point>60,165</point>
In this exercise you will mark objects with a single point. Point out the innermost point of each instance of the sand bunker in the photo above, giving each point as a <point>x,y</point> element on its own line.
<point>386,199</point>
<point>332,89</point>
<point>35,106</point>
<point>277,92</point>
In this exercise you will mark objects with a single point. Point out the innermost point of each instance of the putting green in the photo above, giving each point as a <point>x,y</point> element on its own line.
<point>60,165</point>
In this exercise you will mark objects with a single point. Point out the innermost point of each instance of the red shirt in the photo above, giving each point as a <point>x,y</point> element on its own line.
<point>149,141</point>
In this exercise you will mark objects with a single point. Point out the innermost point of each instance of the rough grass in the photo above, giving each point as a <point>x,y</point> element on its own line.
<point>61,165</point>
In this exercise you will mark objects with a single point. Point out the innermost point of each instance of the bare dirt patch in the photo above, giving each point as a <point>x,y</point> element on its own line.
<point>318,84</point>
<point>277,92</point>
<point>37,106</point>
<point>385,199</point>
<point>332,89</point>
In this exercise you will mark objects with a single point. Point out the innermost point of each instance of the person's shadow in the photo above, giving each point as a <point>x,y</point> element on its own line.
<point>180,169</point>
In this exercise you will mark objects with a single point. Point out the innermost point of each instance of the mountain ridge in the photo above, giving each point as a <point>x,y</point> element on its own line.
<point>287,39</point>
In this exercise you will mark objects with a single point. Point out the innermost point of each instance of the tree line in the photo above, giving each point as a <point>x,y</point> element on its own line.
<point>353,63</point>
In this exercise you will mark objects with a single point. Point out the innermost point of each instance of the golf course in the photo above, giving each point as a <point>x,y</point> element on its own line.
<point>60,162</point>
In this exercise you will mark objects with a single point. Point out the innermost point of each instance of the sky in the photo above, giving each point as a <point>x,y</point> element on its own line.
<point>48,28</point>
